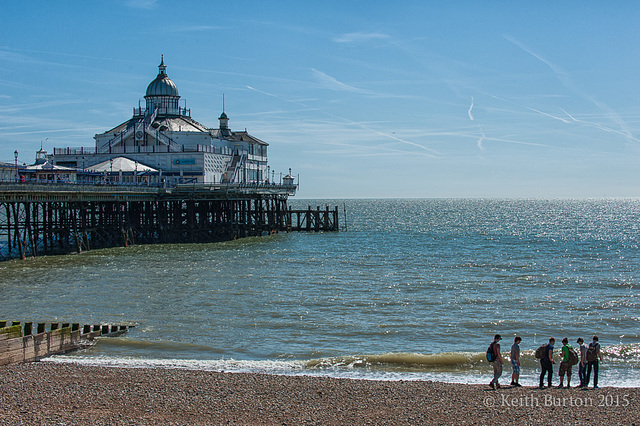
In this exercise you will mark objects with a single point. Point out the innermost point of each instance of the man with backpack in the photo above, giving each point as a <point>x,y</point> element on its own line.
<point>546,363</point>
<point>494,357</point>
<point>566,363</point>
<point>593,361</point>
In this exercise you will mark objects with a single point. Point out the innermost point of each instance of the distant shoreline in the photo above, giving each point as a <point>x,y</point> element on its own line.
<point>48,393</point>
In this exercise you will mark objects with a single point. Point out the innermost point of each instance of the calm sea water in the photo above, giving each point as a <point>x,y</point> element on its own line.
<point>414,289</point>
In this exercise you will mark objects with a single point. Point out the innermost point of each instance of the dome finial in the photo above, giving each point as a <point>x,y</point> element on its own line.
<point>162,67</point>
<point>224,120</point>
<point>162,84</point>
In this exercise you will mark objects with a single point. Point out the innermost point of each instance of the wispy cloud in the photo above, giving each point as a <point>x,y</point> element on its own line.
<point>359,37</point>
<point>470,108</point>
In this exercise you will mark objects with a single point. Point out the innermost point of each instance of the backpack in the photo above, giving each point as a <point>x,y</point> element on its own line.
<point>490,355</point>
<point>573,357</point>
<point>541,351</point>
<point>592,352</point>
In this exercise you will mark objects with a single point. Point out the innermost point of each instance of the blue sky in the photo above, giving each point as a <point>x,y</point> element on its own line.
<point>360,98</point>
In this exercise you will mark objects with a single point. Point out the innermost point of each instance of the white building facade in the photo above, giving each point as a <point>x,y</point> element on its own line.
<point>163,137</point>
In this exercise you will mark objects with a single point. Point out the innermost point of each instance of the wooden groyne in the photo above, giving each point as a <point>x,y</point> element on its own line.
<point>40,219</point>
<point>23,343</point>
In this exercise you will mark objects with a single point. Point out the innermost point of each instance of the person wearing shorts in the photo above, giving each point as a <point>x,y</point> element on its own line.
<point>515,361</point>
<point>565,367</point>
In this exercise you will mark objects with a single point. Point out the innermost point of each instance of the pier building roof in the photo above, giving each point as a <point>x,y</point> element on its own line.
<point>122,164</point>
<point>237,136</point>
<point>47,166</point>
<point>164,123</point>
<point>163,114</point>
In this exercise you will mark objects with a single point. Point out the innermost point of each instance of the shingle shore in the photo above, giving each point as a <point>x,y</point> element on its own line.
<point>70,394</point>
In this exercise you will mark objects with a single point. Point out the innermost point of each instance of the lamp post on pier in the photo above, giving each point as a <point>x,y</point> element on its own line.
<point>15,157</point>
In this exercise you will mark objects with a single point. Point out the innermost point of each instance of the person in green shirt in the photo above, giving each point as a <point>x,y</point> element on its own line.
<point>565,367</point>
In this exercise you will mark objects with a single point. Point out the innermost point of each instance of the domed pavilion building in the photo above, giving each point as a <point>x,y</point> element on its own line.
<point>163,144</point>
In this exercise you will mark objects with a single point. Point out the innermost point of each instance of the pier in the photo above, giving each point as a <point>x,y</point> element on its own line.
<point>157,177</point>
<point>22,343</point>
<point>40,218</point>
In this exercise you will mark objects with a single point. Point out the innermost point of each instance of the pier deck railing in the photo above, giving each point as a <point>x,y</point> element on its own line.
<point>77,191</point>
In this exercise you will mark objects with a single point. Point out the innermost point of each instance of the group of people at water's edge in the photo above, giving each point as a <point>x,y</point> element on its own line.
<point>588,360</point>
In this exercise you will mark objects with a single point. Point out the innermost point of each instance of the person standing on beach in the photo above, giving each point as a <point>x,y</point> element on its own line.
<point>546,362</point>
<point>593,359</point>
<point>565,366</point>
<point>515,361</point>
<point>496,363</point>
<point>582,365</point>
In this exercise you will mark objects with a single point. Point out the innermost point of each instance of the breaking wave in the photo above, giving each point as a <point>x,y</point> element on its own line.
<point>446,361</point>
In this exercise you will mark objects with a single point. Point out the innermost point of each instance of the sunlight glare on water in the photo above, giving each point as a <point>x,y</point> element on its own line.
<point>407,277</point>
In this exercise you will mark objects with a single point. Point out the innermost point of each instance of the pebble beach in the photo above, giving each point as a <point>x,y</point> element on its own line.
<point>69,394</point>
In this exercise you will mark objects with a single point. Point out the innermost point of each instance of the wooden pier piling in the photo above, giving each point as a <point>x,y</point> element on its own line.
<point>39,220</point>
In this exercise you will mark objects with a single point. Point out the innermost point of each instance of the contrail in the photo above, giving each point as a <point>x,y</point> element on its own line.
<point>470,108</point>
<point>557,70</point>
<point>260,91</point>
<point>564,78</point>
<point>479,143</point>
<point>537,111</point>
<point>428,151</point>
<point>549,115</point>
<point>624,133</point>
<point>331,83</point>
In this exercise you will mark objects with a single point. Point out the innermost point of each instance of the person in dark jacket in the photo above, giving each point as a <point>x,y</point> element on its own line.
<point>496,363</point>
<point>546,363</point>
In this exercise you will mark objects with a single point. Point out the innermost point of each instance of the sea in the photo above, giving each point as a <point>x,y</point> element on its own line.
<point>409,289</point>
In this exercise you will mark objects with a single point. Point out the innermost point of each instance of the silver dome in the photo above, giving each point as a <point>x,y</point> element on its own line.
<point>162,85</point>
